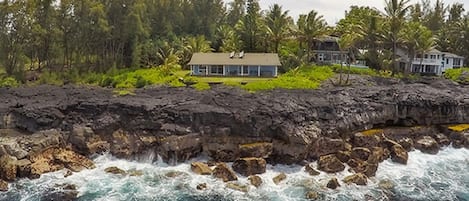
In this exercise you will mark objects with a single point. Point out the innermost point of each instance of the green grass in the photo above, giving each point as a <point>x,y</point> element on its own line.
<point>460,75</point>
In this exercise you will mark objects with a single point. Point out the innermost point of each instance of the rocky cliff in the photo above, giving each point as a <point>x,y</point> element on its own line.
<point>283,126</point>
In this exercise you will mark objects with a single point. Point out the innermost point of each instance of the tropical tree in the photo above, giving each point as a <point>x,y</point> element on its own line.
<point>309,28</point>
<point>411,35</point>
<point>395,12</point>
<point>277,25</point>
<point>229,39</point>
<point>424,42</point>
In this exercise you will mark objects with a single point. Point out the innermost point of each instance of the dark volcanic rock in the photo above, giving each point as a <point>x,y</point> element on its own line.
<point>181,123</point>
<point>330,164</point>
<point>427,144</point>
<point>223,172</point>
<point>399,154</point>
<point>255,180</point>
<point>333,183</point>
<point>201,168</point>
<point>359,179</point>
<point>249,166</point>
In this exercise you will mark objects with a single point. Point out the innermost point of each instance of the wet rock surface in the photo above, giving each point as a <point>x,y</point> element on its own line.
<point>280,126</point>
<point>249,166</point>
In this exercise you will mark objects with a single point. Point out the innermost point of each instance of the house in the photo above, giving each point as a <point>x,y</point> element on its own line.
<point>327,51</point>
<point>234,65</point>
<point>433,62</point>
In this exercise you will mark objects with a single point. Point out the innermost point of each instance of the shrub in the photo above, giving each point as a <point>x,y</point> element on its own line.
<point>460,75</point>
<point>201,86</point>
<point>9,82</point>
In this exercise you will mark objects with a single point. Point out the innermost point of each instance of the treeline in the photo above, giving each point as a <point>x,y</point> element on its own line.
<point>98,35</point>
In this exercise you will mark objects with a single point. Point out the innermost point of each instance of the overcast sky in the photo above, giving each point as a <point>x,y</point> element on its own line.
<point>333,10</point>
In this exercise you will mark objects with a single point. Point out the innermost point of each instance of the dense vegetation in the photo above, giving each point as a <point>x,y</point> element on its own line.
<point>460,75</point>
<point>60,41</point>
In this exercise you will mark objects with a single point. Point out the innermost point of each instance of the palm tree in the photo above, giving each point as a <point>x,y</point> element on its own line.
<point>395,11</point>
<point>277,25</point>
<point>410,35</point>
<point>425,42</point>
<point>309,27</point>
<point>230,40</point>
<point>347,43</point>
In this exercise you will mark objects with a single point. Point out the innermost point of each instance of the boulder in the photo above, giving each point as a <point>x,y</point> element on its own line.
<point>8,169</point>
<point>223,172</point>
<point>279,178</point>
<point>257,150</point>
<point>428,145</point>
<point>378,154</point>
<point>115,170</point>
<point>202,186</point>
<point>399,154</point>
<point>406,143</point>
<point>343,156</point>
<point>255,180</point>
<point>201,168</point>
<point>370,170</point>
<point>361,153</point>
<point>359,179</point>
<point>442,140</point>
<point>249,166</point>
<point>330,164</point>
<point>68,173</point>
<point>3,186</point>
<point>23,167</point>
<point>368,141</point>
<point>325,146</point>
<point>311,170</point>
<point>312,195</point>
<point>237,187</point>
<point>72,160</point>
<point>333,183</point>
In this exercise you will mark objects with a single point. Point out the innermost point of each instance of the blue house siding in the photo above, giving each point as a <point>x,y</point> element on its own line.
<point>236,70</point>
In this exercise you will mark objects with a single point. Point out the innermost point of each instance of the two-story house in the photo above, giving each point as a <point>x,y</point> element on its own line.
<point>433,62</point>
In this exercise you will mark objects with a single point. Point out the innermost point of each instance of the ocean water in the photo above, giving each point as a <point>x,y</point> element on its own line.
<point>426,177</point>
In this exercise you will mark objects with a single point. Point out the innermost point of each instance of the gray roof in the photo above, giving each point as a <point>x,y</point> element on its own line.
<point>451,55</point>
<point>254,59</point>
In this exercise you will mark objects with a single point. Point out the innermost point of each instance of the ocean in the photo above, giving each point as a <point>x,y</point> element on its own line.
<point>444,176</point>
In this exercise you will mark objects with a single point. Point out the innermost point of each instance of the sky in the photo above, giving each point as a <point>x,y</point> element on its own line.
<point>333,10</point>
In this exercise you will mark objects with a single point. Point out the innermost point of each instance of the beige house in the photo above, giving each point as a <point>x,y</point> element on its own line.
<point>235,64</point>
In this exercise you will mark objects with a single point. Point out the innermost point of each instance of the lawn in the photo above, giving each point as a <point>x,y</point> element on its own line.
<point>232,79</point>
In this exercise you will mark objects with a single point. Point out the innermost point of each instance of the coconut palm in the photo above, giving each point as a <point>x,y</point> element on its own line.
<point>425,42</point>
<point>277,25</point>
<point>395,12</point>
<point>309,28</point>
<point>411,34</point>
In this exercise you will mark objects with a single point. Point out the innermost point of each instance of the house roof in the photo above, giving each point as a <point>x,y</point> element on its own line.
<point>451,55</point>
<point>254,59</point>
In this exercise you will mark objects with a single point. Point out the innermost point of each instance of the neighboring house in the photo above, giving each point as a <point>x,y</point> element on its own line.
<point>433,62</point>
<point>234,65</point>
<point>327,51</point>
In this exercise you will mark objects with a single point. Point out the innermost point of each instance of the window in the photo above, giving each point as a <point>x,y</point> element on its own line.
<point>216,70</point>
<point>426,56</point>
<point>245,70</point>
<point>447,61</point>
<point>432,56</point>
<point>202,70</point>
<point>456,62</point>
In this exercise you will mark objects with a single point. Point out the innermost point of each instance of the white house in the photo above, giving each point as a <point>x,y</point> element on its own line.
<point>433,62</point>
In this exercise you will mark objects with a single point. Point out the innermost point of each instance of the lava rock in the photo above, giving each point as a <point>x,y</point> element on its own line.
<point>406,143</point>
<point>201,168</point>
<point>442,140</point>
<point>361,153</point>
<point>311,170</point>
<point>202,186</point>
<point>312,195</point>
<point>428,145</point>
<point>8,168</point>
<point>223,172</point>
<point>330,164</point>
<point>343,156</point>
<point>237,187</point>
<point>279,178</point>
<point>256,150</point>
<point>255,180</point>
<point>115,170</point>
<point>249,166</point>
<point>333,183</point>
<point>3,186</point>
<point>368,141</point>
<point>359,179</point>
<point>399,154</point>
